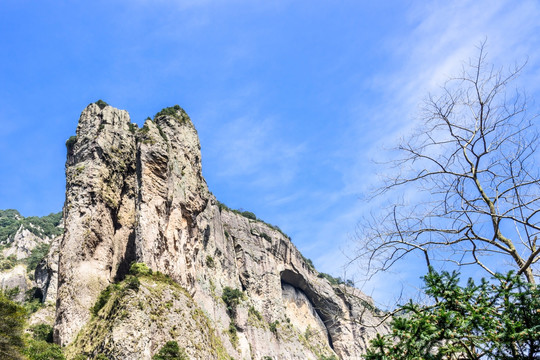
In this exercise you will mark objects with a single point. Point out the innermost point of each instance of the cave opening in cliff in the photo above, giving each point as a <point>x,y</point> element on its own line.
<point>322,314</point>
<point>38,294</point>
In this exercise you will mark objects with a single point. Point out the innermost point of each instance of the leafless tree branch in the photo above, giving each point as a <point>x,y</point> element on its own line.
<point>473,167</point>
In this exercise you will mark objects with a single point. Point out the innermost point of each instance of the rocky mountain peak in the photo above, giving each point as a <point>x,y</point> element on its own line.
<point>138,196</point>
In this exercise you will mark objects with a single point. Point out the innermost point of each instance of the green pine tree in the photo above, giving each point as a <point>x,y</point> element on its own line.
<point>12,321</point>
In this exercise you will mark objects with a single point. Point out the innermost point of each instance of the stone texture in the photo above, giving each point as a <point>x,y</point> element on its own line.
<point>139,195</point>
<point>46,273</point>
<point>99,214</point>
<point>15,278</point>
<point>135,324</point>
<point>23,243</point>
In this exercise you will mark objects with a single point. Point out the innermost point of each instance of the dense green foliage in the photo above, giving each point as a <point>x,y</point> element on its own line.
<point>232,297</point>
<point>335,280</point>
<point>273,326</point>
<point>11,293</point>
<point>249,215</point>
<point>70,142</point>
<point>102,104</point>
<point>7,263</point>
<point>12,320</point>
<point>37,345</point>
<point>46,226</point>
<point>42,332</point>
<point>9,223</point>
<point>210,262</point>
<point>139,269</point>
<point>103,297</point>
<point>171,351</point>
<point>499,319</point>
<point>170,111</point>
<point>266,237</point>
<point>43,350</point>
<point>37,254</point>
<point>133,283</point>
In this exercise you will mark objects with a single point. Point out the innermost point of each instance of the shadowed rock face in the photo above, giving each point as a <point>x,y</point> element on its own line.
<point>46,274</point>
<point>139,195</point>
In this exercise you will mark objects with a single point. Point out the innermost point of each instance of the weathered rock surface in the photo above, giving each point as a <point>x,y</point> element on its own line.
<point>23,243</point>
<point>20,247</point>
<point>139,195</point>
<point>99,214</point>
<point>46,273</point>
<point>137,321</point>
<point>15,278</point>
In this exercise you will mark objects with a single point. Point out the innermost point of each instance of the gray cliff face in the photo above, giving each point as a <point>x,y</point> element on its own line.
<point>23,243</point>
<point>171,194</point>
<point>99,214</point>
<point>139,195</point>
<point>46,274</point>
<point>20,246</point>
<point>15,278</point>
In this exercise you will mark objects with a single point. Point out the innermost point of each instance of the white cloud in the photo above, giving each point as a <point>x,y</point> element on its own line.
<point>251,147</point>
<point>445,35</point>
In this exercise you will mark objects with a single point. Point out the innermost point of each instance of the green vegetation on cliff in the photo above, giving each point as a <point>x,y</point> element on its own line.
<point>497,319</point>
<point>171,351</point>
<point>175,111</point>
<point>15,344</point>
<point>12,320</point>
<point>251,216</point>
<point>46,226</point>
<point>155,306</point>
<point>102,104</point>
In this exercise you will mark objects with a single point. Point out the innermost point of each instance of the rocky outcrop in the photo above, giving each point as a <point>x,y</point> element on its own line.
<point>139,195</point>
<point>99,214</point>
<point>21,252</point>
<point>46,274</point>
<point>138,320</point>
<point>23,243</point>
<point>171,194</point>
<point>16,280</point>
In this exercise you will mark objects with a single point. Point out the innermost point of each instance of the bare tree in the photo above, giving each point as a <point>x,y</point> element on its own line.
<point>473,167</point>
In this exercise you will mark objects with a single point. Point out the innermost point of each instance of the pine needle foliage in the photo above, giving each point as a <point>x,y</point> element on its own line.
<point>171,351</point>
<point>497,319</point>
<point>12,321</point>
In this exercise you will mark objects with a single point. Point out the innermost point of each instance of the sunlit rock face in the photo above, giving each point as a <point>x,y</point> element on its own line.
<point>15,279</point>
<point>21,247</point>
<point>138,195</point>
<point>24,241</point>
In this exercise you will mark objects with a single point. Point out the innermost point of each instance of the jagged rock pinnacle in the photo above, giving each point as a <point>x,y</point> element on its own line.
<point>138,195</point>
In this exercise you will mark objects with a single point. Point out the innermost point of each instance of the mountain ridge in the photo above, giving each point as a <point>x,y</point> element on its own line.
<point>137,195</point>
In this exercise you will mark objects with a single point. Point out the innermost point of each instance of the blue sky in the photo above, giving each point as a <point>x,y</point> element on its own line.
<point>292,99</point>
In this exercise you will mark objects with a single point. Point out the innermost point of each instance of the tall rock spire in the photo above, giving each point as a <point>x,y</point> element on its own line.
<point>99,213</point>
<point>131,194</point>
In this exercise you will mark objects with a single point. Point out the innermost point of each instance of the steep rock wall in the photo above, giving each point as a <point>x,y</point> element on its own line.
<point>139,195</point>
<point>99,214</point>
